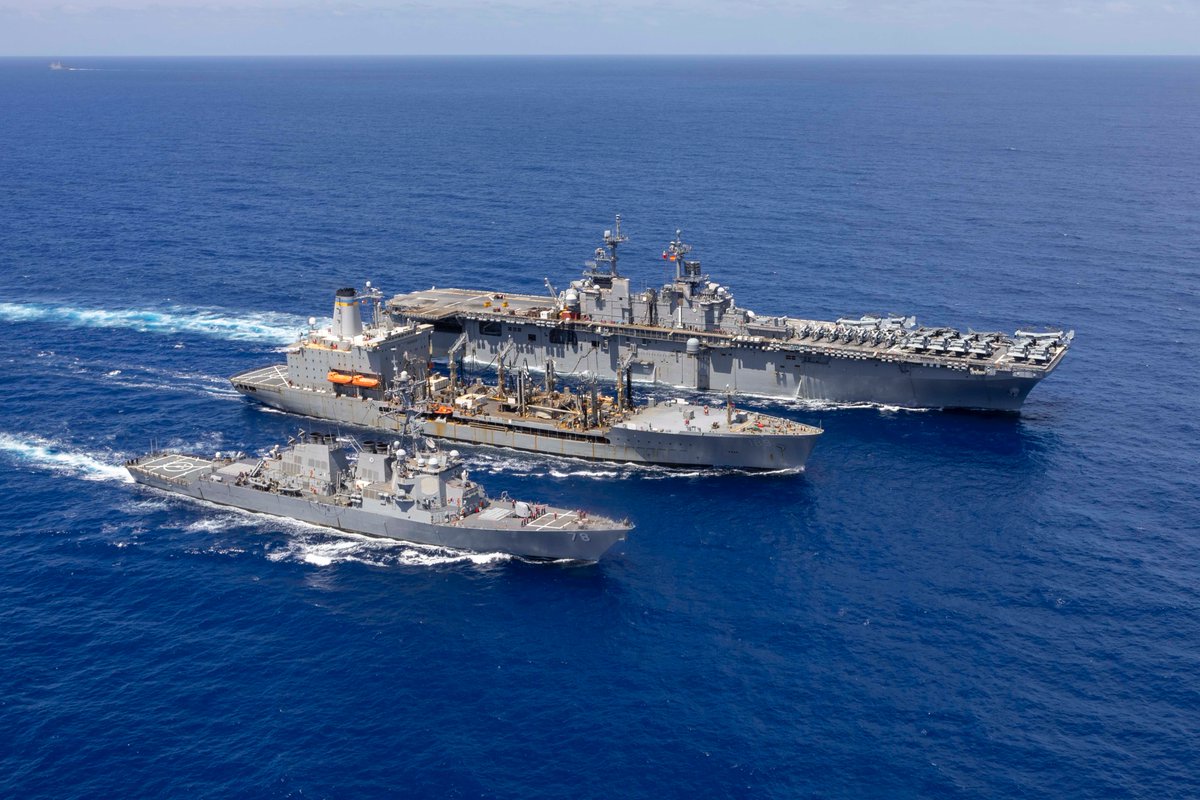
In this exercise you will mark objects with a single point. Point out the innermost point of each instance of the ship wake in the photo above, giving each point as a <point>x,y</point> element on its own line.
<point>320,546</point>
<point>321,549</point>
<point>535,465</point>
<point>217,323</point>
<point>51,456</point>
<point>766,403</point>
<point>132,377</point>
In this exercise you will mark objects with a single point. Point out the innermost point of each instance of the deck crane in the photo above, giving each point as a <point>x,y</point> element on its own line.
<point>452,358</point>
<point>505,353</point>
<point>592,416</point>
<point>624,382</point>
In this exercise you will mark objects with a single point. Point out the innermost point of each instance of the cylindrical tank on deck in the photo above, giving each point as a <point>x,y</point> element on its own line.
<point>347,316</point>
<point>693,346</point>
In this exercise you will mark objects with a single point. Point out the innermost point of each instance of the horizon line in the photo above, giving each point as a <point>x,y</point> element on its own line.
<point>604,55</point>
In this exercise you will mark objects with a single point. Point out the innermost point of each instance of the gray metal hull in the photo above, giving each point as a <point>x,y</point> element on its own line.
<point>844,378</point>
<point>543,544</point>
<point>622,445</point>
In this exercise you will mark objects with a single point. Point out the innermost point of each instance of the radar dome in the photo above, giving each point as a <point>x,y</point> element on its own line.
<point>693,346</point>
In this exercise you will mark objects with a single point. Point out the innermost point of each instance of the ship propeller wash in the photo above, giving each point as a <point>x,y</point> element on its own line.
<point>379,489</point>
<point>375,372</point>
<point>690,333</point>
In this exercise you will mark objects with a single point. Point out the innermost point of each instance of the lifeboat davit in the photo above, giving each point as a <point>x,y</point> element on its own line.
<point>365,382</point>
<point>339,377</point>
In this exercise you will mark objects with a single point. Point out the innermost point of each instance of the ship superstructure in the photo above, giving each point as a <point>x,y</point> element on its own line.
<point>380,489</point>
<point>377,374</point>
<point>691,333</point>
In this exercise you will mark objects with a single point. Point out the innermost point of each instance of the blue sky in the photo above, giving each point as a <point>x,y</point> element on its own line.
<point>385,27</point>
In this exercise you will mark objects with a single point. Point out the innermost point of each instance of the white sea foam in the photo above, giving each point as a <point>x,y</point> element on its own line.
<point>540,466</point>
<point>323,550</point>
<point>321,546</point>
<point>55,457</point>
<point>268,327</point>
<point>827,405</point>
<point>764,402</point>
<point>138,506</point>
<point>211,525</point>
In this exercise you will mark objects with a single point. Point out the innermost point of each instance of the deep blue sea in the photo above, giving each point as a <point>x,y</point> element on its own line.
<point>946,605</point>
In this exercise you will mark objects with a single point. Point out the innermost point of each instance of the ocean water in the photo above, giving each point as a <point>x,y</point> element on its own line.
<point>945,605</point>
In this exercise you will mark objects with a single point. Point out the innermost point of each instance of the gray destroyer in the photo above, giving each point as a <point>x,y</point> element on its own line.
<point>378,489</point>
<point>690,333</point>
<point>370,371</point>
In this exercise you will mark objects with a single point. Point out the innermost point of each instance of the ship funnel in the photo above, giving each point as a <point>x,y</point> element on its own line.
<point>347,316</point>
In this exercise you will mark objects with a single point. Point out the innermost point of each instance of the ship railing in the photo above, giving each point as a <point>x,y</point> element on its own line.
<point>725,338</point>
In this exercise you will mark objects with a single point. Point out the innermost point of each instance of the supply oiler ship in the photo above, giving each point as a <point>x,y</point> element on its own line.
<point>369,370</point>
<point>690,333</point>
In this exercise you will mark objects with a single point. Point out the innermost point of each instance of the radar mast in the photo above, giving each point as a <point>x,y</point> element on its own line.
<point>685,271</point>
<point>603,267</point>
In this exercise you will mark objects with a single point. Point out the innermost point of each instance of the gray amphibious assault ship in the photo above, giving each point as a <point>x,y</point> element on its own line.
<point>690,333</point>
<point>378,489</point>
<point>374,372</point>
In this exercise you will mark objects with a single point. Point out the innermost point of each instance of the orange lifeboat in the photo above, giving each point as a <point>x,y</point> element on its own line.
<point>365,382</point>
<point>443,411</point>
<point>339,377</point>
